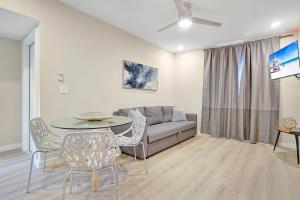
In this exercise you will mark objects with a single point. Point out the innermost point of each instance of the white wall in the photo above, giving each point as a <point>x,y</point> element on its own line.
<point>10,93</point>
<point>188,81</point>
<point>90,54</point>
<point>289,98</point>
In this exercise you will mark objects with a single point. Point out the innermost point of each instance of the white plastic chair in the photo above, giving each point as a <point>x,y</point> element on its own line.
<point>45,141</point>
<point>137,130</point>
<point>89,151</point>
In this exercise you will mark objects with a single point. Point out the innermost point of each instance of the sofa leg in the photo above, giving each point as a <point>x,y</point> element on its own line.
<point>134,149</point>
<point>145,159</point>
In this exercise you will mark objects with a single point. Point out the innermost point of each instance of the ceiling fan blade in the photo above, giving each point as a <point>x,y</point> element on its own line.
<point>205,22</point>
<point>180,6</point>
<point>168,26</point>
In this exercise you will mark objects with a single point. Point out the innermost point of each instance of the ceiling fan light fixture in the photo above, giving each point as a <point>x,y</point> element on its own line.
<point>275,24</point>
<point>180,47</point>
<point>185,22</point>
<point>185,17</point>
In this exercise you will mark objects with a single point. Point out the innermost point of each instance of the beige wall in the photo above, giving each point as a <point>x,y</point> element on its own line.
<point>90,53</point>
<point>289,97</point>
<point>188,81</point>
<point>10,92</point>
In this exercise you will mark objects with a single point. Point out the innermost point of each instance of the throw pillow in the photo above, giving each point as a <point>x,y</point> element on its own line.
<point>132,113</point>
<point>178,115</point>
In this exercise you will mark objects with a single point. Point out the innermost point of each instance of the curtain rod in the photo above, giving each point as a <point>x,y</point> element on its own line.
<point>287,35</point>
<point>284,35</point>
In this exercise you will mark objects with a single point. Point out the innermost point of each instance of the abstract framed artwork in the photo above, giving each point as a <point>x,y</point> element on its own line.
<point>139,76</point>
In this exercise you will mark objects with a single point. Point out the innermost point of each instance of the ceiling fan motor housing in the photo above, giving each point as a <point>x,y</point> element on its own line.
<point>187,13</point>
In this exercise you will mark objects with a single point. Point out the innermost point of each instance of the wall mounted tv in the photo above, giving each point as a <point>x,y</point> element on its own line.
<point>285,62</point>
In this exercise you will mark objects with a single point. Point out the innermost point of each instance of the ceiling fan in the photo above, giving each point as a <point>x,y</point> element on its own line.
<point>185,17</point>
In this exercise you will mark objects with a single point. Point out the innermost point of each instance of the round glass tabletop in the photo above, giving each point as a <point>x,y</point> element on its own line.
<point>72,123</point>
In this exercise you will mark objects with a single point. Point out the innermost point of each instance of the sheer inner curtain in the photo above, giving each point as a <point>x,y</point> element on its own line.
<point>240,100</point>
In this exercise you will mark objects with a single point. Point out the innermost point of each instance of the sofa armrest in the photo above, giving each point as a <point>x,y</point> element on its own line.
<point>191,117</point>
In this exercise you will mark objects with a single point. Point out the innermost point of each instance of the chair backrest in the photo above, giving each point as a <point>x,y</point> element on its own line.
<point>138,127</point>
<point>39,131</point>
<point>89,150</point>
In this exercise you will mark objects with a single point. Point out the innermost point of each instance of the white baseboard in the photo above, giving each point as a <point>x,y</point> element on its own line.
<point>10,147</point>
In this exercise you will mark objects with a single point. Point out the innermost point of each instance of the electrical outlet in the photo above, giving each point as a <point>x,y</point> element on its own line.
<point>64,89</point>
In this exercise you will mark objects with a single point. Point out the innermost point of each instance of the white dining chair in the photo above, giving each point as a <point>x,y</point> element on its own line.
<point>44,140</point>
<point>88,151</point>
<point>134,139</point>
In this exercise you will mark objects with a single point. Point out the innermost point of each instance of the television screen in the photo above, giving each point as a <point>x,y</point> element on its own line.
<point>285,62</point>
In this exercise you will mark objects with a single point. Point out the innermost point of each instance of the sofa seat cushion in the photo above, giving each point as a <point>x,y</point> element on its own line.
<point>160,131</point>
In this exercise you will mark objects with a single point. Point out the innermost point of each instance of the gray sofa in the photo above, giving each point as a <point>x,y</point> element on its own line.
<point>160,132</point>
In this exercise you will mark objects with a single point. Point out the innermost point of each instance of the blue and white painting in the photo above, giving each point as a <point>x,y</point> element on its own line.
<point>139,76</point>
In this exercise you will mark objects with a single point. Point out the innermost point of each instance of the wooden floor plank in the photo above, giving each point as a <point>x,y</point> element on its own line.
<point>199,168</point>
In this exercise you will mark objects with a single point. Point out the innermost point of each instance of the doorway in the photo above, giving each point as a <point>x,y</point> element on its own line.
<point>19,36</point>
<point>30,86</point>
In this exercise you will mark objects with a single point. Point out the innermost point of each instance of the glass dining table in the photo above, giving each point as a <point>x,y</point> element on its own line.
<point>73,124</point>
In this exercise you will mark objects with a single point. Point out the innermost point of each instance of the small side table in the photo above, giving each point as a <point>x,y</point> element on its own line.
<point>295,132</point>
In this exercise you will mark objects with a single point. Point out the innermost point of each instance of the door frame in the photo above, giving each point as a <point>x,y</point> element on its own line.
<point>34,74</point>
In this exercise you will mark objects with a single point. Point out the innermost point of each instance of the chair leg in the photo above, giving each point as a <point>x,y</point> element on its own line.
<point>134,152</point>
<point>111,177</point>
<point>114,175</point>
<point>297,147</point>
<point>30,172</point>
<point>278,134</point>
<point>77,178</point>
<point>145,159</point>
<point>71,182</point>
<point>65,184</point>
<point>116,172</point>
<point>45,158</point>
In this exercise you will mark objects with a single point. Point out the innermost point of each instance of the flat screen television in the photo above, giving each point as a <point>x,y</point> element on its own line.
<point>285,62</point>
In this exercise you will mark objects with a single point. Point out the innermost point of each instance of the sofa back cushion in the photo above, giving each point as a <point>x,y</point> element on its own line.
<point>154,115</point>
<point>167,112</point>
<point>125,111</point>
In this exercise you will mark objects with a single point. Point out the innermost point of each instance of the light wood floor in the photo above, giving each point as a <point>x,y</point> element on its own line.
<point>201,168</point>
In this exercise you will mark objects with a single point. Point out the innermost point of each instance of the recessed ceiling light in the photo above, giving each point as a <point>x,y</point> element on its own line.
<point>185,22</point>
<point>180,47</point>
<point>275,24</point>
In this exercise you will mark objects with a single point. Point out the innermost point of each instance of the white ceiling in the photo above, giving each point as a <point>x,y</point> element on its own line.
<point>242,19</point>
<point>15,26</point>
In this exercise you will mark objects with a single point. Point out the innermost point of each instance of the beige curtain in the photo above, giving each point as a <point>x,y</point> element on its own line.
<point>239,98</point>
